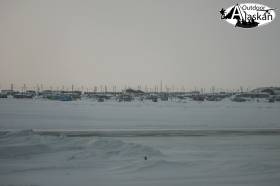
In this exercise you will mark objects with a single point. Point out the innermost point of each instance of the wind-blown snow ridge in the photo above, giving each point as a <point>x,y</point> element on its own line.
<point>25,144</point>
<point>146,132</point>
<point>161,133</point>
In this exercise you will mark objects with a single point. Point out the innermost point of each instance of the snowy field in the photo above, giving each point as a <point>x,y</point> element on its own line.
<point>212,143</point>
<point>88,114</point>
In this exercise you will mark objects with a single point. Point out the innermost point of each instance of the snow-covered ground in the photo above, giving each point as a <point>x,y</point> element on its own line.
<point>31,158</point>
<point>87,114</point>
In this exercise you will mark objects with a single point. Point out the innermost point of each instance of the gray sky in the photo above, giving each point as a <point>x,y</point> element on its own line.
<point>134,42</point>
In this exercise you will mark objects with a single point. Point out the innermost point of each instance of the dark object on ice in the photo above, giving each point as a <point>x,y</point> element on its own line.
<point>145,157</point>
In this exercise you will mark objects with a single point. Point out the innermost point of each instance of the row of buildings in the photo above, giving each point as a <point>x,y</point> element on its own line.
<point>270,94</point>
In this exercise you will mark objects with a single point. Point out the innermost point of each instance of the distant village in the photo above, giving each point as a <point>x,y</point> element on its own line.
<point>267,94</point>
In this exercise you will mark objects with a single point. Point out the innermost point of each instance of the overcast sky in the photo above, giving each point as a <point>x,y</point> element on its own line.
<point>134,42</point>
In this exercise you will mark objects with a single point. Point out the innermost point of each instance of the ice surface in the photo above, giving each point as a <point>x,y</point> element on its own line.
<point>236,143</point>
<point>32,159</point>
<point>79,115</point>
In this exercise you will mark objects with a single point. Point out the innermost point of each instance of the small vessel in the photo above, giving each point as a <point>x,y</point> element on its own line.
<point>60,97</point>
<point>213,98</point>
<point>23,95</point>
<point>238,99</point>
<point>125,98</point>
<point>198,98</point>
